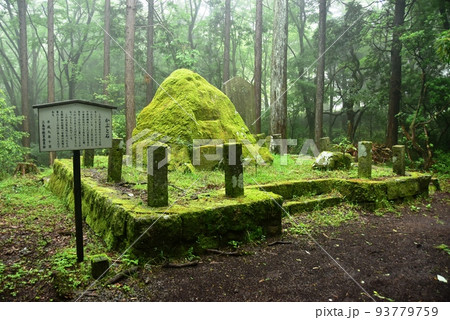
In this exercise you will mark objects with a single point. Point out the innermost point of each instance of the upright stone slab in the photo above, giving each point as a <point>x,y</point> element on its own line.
<point>365,159</point>
<point>241,94</point>
<point>398,159</point>
<point>234,173</point>
<point>115,161</point>
<point>88,158</point>
<point>157,164</point>
<point>324,144</point>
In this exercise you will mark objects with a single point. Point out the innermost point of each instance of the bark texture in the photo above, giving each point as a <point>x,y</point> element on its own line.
<point>396,75</point>
<point>278,79</point>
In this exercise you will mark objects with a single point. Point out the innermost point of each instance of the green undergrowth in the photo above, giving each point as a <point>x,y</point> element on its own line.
<point>444,248</point>
<point>316,220</point>
<point>37,243</point>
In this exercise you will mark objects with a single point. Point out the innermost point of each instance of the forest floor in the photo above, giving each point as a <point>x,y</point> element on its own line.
<point>397,254</point>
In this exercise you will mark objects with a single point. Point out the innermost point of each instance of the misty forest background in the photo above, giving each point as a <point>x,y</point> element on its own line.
<point>353,70</point>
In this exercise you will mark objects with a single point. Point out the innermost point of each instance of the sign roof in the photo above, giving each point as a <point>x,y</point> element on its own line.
<point>61,103</point>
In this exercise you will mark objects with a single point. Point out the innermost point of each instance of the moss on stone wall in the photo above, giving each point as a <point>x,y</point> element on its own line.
<point>127,222</point>
<point>355,190</point>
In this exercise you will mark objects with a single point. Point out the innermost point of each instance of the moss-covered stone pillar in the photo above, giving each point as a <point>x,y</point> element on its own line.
<point>88,158</point>
<point>324,144</point>
<point>99,265</point>
<point>157,164</point>
<point>365,159</point>
<point>398,159</point>
<point>115,161</point>
<point>234,173</point>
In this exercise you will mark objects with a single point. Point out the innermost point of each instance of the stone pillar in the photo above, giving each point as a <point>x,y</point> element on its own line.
<point>365,159</point>
<point>324,144</point>
<point>398,159</point>
<point>157,169</point>
<point>88,158</point>
<point>234,173</point>
<point>115,161</point>
<point>99,265</point>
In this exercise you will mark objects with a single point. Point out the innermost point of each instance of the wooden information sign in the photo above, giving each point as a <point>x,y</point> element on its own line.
<point>75,125</point>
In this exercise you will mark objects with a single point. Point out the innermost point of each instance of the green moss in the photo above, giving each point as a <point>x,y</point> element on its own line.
<point>361,191</point>
<point>187,107</point>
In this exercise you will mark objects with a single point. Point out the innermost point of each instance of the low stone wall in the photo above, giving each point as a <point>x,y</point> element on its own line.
<point>355,190</point>
<point>212,221</point>
<point>207,222</point>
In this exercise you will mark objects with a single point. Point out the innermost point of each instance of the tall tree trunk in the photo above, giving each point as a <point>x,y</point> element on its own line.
<point>278,79</point>
<point>226,53</point>
<point>107,46</point>
<point>396,75</point>
<point>130,115</point>
<point>23,60</point>
<point>347,106</point>
<point>443,13</point>
<point>318,125</point>
<point>51,61</point>
<point>258,62</point>
<point>150,59</point>
<point>194,6</point>
<point>330,123</point>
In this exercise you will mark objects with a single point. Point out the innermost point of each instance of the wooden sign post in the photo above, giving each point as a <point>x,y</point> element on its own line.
<point>75,125</point>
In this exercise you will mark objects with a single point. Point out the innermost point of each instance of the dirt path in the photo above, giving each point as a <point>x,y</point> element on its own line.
<point>392,257</point>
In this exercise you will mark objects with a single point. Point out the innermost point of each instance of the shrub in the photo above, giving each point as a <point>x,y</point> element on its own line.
<point>11,150</point>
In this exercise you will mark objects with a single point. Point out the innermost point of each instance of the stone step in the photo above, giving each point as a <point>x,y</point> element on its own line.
<point>314,203</point>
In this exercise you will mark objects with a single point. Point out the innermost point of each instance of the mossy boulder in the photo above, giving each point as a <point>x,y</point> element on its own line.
<point>187,107</point>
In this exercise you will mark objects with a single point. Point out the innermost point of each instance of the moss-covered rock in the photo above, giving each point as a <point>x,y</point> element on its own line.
<point>328,160</point>
<point>187,107</point>
<point>365,159</point>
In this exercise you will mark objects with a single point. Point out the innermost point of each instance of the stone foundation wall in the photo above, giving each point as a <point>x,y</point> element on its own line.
<point>210,222</point>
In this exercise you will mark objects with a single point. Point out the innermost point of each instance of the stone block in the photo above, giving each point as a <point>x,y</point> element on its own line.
<point>157,180</point>
<point>365,159</point>
<point>115,159</point>
<point>99,265</point>
<point>324,144</point>
<point>242,95</point>
<point>398,159</point>
<point>234,172</point>
<point>207,157</point>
